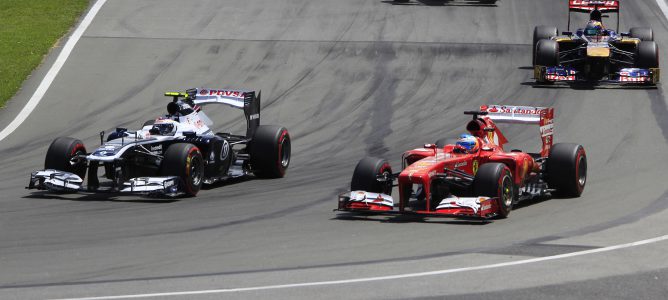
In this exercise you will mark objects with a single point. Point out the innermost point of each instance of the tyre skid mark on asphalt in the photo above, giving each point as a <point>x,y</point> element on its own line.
<point>657,206</point>
<point>383,278</point>
<point>663,6</point>
<point>305,41</point>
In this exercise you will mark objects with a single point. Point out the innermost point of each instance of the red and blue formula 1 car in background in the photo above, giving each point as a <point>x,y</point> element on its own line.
<point>595,54</point>
<point>447,179</point>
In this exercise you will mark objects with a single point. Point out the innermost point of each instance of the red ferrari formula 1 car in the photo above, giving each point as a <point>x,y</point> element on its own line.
<point>473,177</point>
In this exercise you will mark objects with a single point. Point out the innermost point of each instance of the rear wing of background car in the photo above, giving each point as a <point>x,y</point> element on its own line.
<point>590,5</point>
<point>594,7</point>
<point>244,99</point>
<point>542,116</point>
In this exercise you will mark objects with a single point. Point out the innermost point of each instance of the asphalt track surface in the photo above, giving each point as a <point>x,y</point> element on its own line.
<point>348,79</point>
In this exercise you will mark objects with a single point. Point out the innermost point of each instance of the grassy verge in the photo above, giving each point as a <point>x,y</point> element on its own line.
<point>28,29</point>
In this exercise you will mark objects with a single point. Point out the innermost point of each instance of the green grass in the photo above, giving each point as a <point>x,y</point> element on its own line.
<point>28,29</point>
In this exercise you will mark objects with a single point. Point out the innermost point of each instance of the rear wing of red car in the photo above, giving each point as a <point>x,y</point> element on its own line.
<point>542,116</point>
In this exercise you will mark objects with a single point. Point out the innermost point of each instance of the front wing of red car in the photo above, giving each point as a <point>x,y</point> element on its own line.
<point>450,207</point>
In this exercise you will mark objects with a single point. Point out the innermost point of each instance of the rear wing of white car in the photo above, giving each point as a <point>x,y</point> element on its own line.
<point>542,116</point>
<point>244,99</point>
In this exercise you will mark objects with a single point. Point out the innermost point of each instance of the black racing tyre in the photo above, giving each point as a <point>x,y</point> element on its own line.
<point>60,154</point>
<point>642,33</point>
<point>540,33</point>
<point>648,55</point>
<point>547,53</point>
<point>445,141</point>
<point>567,169</point>
<point>496,180</point>
<point>365,176</point>
<point>149,122</point>
<point>270,151</point>
<point>185,161</point>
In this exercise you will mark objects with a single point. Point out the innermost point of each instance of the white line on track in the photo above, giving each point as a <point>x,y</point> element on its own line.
<point>663,6</point>
<point>51,75</point>
<point>368,279</point>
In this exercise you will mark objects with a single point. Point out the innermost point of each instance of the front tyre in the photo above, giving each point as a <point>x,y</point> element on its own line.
<point>539,33</point>
<point>185,161</point>
<point>270,151</point>
<point>61,153</point>
<point>547,53</point>
<point>365,176</point>
<point>567,169</point>
<point>495,180</point>
<point>648,55</point>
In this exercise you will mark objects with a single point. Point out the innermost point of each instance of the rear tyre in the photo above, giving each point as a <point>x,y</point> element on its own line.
<point>642,33</point>
<point>648,55</point>
<point>185,161</point>
<point>496,180</point>
<point>567,169</point>
<point>365,176</point>
<point>445,141</point>
<point>547,53</point>
<point>270,151</point>
<point>540,33</point>
<point>60,153</point>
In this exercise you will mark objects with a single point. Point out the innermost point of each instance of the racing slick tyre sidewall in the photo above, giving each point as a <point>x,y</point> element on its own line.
<point>539,33</point>
<point>547,53</point>
<point>185,161</point>
<point>270,151</point>
<point>496,180</point>
<point>365,176</point>
<point>445,141</point>
<point>61,151</point>
<point>567,169</point>
<point>648,55</point>
<point>642,33</point>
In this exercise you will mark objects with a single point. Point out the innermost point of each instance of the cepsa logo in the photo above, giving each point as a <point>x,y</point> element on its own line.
<point>594,2</point>
<point>224,93</point>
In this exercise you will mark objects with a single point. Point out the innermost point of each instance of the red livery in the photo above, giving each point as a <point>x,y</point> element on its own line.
<point>473,177</point>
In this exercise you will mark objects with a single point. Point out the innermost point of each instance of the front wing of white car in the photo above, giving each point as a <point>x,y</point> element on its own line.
<point>66,182</point>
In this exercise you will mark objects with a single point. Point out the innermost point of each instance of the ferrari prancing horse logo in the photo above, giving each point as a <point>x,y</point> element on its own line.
<point>475,167</point>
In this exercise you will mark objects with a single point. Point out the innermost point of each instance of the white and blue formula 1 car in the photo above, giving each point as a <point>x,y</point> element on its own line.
<point>171,155</point>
